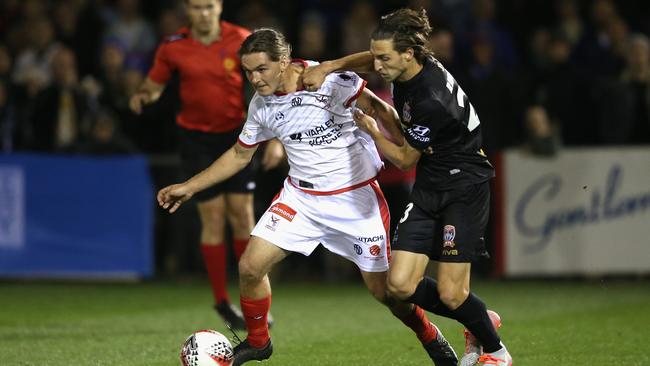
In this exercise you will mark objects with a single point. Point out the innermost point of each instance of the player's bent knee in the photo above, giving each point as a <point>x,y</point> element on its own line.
<point>452,297</point>
<point>249,273</point>
<point>400,289</point>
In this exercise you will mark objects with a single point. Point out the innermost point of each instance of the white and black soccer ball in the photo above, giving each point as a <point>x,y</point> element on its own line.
<point>207,348</point>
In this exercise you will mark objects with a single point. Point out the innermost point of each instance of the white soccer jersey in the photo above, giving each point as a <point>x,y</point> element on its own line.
<point>325,149</point>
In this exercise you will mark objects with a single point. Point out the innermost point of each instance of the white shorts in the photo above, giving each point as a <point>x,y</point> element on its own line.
<point>353,224</point>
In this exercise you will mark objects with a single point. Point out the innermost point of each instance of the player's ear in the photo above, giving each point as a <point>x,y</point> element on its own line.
<point>284,62</point>
<point>409,54</point>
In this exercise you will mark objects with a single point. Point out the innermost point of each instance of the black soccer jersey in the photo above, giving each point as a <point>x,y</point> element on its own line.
<point>438,119</point>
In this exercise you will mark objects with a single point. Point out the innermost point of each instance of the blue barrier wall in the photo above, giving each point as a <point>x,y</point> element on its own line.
<point>75,217</point>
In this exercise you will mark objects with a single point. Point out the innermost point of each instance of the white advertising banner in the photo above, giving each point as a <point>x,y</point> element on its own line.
<point>585,212</point>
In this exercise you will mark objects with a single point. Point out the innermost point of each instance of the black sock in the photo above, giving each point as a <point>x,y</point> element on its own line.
<point>427,297</point>
<point>473,315</point>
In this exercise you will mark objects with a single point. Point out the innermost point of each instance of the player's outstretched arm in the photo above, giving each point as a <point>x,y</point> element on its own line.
<point>404,157</point>
<point>373,106</point>
<point>230,163</point>
<point>314,76</point>
<point>148,92</point>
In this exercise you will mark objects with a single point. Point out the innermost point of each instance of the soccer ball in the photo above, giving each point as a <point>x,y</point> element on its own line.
<point>207,348</point>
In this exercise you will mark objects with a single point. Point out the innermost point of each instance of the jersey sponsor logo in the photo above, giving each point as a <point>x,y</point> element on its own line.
<point>448,236</point>
<point>283,211</point>
<point>419,133</point>
<point>296,136</point>
<point>273,223</point>
<point>375,250</point>
<point>247,133</point>
<point>421,130</point>
<point>324,134</point>
<point>449,252</point>
<point>358,249</point>
<point>370,239</point>
<point>279,116</point>
<point>295,102</point>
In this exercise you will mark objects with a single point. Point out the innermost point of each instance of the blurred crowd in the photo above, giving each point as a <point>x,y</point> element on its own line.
<point>541,74</point>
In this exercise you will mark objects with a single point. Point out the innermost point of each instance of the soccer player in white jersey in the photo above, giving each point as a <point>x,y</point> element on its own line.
<point>330,197</point>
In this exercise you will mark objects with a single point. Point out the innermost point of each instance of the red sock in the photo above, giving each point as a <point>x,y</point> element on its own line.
<point>214,257</point>
<point>255,314</point>
<point>238,246</point>
<point>420,324</point>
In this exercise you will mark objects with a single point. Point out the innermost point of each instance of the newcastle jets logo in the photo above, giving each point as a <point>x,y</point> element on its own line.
<point>406,113</point>
<point>295,102</point>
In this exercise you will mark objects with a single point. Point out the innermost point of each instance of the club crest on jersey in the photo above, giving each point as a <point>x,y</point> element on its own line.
<point>273,223</point>
<point>229,64</point>
<point>295,102</point>
<point>406,113</point>
<point>324,99</point>
<point>358,249</point>
<point>448,236</point>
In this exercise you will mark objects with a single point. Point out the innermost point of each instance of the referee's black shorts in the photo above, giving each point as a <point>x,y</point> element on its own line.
<point>200,149</point>
<point>448,226</point>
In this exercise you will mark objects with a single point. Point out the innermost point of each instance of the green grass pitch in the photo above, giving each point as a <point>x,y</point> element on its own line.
<point>544,323</point>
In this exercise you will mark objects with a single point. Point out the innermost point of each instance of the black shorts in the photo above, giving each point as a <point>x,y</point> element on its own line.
<point>200,149</point>
<point>448,226</point>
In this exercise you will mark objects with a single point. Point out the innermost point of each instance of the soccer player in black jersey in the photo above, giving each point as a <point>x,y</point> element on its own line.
<point>449,206</point>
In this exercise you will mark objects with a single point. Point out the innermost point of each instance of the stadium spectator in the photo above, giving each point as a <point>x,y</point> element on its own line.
<point>542,138</point>
<point>7,120</point>
<point>312,41</point>
<point>134,31</point>
<point>330,196</point>
<point>448,213</point>
<point>60,109</point>
<point>568,22</point>
<point>105,137</point>
<point>212,96</point>
<point>627,100</point>
<point>357,25</point>
<point>32,65</point>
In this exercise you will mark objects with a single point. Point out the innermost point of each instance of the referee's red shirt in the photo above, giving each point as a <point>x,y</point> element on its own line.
<point>211,82</point>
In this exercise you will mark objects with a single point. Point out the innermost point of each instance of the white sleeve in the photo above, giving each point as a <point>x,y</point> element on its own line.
<point>254,130</point>
<point>348,86</point>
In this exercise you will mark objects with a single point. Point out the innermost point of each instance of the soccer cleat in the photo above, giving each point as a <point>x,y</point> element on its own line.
<point>473,348</point>
<point>440,350</point>
<point>498,358</point>
<point>231,315</point>
<point>244,352</point>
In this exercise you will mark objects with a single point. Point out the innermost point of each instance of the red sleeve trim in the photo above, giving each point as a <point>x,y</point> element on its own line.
<point>248,146</point>
<point>356,95</point>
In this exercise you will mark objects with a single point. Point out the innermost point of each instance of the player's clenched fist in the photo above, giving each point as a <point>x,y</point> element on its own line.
<point>172,197</point>
<point>313,77</point>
